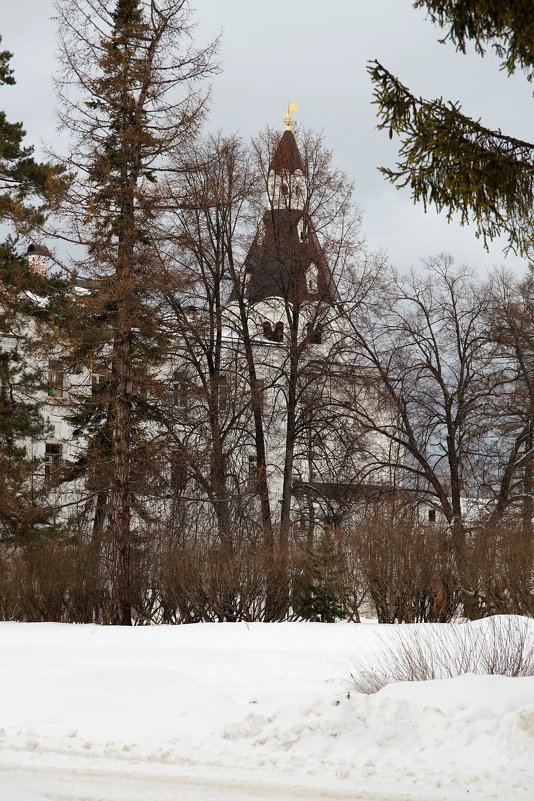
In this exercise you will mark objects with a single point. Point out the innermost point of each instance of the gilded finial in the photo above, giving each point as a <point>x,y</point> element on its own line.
<point>288,119</point>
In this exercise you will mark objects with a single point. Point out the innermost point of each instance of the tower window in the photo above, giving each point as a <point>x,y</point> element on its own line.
<point>314,334</point>
<point>271,186</point>
<point>299,191</point>
<point>431,515</point>
<point>276,335</point>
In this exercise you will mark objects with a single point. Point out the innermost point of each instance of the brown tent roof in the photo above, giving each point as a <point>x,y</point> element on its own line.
<point>287,156</point>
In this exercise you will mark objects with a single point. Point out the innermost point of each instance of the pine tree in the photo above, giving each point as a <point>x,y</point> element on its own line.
<point>450,160</point>
<point>27,187</point>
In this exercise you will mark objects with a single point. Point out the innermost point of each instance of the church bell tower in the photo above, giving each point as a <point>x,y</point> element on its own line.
<point>285,260</point>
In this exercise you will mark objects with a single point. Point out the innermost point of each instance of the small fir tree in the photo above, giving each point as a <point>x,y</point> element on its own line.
<point>317,591</point>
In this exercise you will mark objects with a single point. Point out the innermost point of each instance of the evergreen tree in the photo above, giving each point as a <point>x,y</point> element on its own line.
<point>28,189</point>
<point>450,160</point>
<point>20,418</point>
<point>317,593</point>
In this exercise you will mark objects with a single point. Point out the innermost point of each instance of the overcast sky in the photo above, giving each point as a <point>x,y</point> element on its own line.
<point>313,52</point>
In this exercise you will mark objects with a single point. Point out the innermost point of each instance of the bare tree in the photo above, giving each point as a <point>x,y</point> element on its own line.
<point>510,325</point>
<point>255,389</point>
<point>426,341</point>
<point>309,234</point>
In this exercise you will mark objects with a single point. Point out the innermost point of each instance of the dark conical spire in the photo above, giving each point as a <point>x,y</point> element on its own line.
<point>286,156</point>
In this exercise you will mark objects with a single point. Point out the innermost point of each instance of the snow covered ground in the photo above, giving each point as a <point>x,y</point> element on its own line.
<point>214,712</point>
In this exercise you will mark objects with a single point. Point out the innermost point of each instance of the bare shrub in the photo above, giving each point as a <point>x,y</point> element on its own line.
<point>41,576</point>
<point>407,569</point>
<point>202,582</point>
<point>9,602</point>
<point>354,590</point>
<point>53,580</point>
<point>501,646</point>
<point>87,598</point>
<point>503,561</point>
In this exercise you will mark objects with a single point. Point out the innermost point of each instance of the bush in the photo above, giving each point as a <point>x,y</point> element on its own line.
<point>503,563</point>
<point>501,646</point>
<point>200,582</point>
<point>52,580</point>
<point>407,569</point>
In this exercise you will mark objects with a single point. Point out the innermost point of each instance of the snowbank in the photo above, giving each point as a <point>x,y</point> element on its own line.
<point>261,702</point>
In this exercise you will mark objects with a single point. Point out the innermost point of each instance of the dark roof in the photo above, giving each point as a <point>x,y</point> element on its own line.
<point>278,260</point>
<point>287,156</point>
<point>345,492</point>
<point>38,250</point>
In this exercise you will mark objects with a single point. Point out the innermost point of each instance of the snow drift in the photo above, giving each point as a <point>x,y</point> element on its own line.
<point>262,702</point>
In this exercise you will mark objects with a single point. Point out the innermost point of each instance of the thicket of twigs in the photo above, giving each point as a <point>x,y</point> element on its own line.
<point>499,646</point>
<point>400,572</point>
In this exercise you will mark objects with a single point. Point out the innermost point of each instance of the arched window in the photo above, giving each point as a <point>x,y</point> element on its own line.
<point>314,334</point>
<point>276,335</point>
<point>299,190</point>
<point>271,185</point>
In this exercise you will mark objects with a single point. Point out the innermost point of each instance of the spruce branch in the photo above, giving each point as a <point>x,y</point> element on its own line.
<point>505,25</point>
<point>456,164</point>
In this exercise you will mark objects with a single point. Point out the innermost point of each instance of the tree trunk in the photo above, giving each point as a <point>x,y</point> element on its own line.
<point>120,488</point>
<point>262,487</point>
<point>528,481</point>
